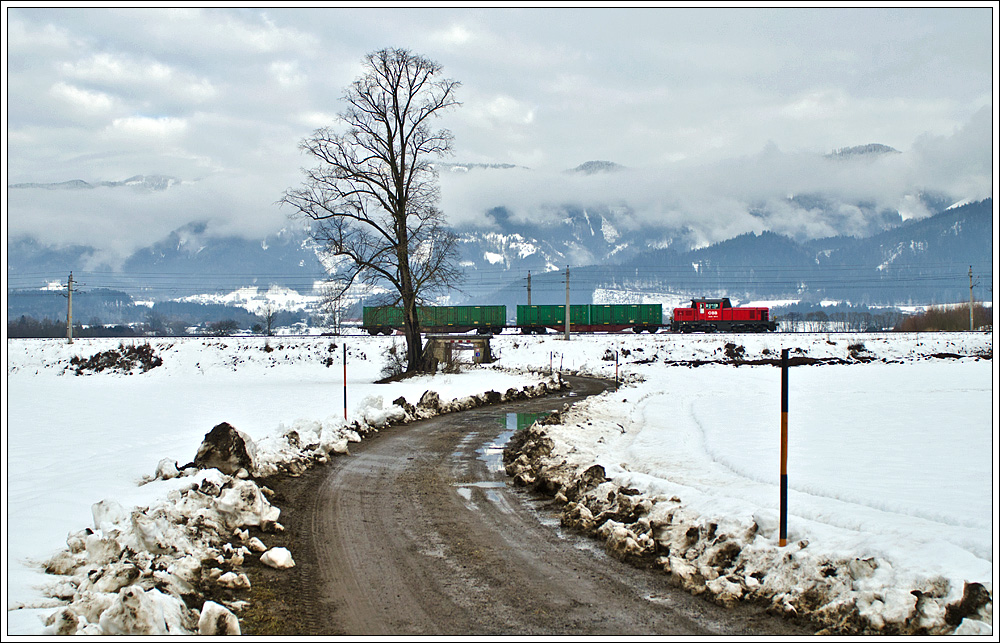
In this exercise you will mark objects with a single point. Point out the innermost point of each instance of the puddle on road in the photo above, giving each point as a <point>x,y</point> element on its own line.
<point>492,454</point>
<point>465,489</point>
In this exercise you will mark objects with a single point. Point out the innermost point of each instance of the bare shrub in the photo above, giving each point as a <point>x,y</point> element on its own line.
<point>734,352</point>
<point>394,357</point>
<point>937,318</point>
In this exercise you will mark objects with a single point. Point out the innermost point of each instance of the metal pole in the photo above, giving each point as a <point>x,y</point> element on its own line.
<point>567,303</point>
<point>529,287</point>
<point>345,380</point>
<point>783,521</point>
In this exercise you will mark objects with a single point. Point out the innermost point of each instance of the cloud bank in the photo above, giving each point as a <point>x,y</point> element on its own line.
<point>724,198</point>
<point>714,112</point>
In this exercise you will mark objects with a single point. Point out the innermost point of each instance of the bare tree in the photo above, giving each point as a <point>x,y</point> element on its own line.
<point>374,193</point>
<point>332,305</point>
<point>268,316</point>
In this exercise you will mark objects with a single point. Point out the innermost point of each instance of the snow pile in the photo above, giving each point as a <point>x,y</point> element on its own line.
<point>278,557</point>
<point>306,442</point>
<point>126,359</point>
<point>890,522</point>
<point>136,571</point>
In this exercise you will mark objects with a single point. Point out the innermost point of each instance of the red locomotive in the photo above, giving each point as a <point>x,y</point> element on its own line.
<point>712,315</point>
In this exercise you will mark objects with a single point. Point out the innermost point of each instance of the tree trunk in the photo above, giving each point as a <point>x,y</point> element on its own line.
<point>411,329</point>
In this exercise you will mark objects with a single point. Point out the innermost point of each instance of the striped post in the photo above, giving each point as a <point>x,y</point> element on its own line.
<point>783,524</point>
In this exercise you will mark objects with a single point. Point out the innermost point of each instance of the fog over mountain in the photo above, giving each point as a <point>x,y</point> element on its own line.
<point>715,236</point>
<point>774,190</point>
<point>777,190</point>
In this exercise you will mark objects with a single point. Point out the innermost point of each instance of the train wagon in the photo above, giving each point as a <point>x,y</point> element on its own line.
<point>590,318</point>
<point>719,315</point>
<point>537,319</point>
<point>436,319</point>
<point>639,317</point>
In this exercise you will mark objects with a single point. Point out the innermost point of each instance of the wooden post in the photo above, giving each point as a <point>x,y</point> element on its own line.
<point>783,521</point>
<point>345,380</point>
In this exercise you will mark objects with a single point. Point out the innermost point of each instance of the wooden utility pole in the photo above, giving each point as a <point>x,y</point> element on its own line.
<point>69,309</point>
<point>567,303</point>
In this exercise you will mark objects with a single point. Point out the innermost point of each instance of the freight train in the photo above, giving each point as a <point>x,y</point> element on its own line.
<point>704,315</point>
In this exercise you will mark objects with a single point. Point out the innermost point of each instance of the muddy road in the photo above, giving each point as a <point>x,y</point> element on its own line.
<point>418,533</point>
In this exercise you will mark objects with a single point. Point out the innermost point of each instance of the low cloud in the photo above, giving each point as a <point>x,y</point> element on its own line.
<point>713,201</point>
<point>117,221</point>
<point>748,194</point>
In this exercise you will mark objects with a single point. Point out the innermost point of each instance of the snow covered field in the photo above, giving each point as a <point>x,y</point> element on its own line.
<point>890,459</point>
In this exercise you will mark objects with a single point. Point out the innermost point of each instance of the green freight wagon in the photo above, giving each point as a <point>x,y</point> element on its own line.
<point>381,319</point>
<point>617,317</point>
<point>462,319</point>
<point>536,319</point>
<point>436,319</point>
<point>589,318</point>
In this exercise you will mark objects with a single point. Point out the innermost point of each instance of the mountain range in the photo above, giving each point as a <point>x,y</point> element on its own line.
<point>888,260</point>
<point>154,182</point>
<point>918,262</point>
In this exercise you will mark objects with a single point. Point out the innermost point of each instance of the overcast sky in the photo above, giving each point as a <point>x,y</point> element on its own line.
<point>709,103</point>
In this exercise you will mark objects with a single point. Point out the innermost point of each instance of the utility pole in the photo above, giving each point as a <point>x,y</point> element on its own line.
<point>567,303</point>
<point>971,327</point>
<point>69,309</point>
<point>529,287</point>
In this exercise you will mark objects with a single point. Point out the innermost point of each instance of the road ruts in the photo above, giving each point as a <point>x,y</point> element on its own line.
<point>417,533</point>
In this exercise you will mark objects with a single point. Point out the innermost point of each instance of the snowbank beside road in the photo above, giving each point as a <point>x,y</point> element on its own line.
<point>891,510</point>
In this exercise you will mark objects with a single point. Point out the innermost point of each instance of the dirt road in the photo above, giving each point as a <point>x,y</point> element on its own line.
<point>417,533</point>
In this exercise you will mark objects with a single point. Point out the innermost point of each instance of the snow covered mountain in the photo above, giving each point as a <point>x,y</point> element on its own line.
<point>609,246</point>
<point>154,182</point>
<point>857,151</point>
<point>918,262</point>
